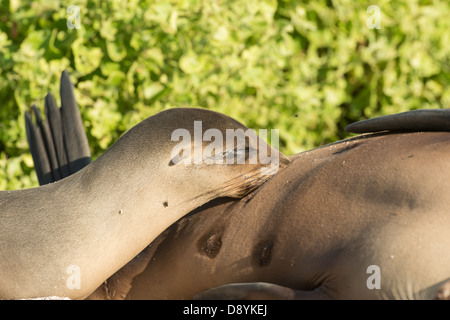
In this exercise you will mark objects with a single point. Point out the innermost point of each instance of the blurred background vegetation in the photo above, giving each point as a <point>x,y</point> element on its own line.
<point>307,68</point>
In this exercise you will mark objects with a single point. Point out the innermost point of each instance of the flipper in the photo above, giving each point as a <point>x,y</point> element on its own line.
<point>38,151</point>
<point>58,144</point>
<point>415,120</point>
<point>53,116</point>
<point>75,139</point>
<point>260,291</point>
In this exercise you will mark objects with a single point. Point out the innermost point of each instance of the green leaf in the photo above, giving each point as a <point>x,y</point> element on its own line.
<point>116,50</point>
<point>190,63</point>
<point>86,59</point>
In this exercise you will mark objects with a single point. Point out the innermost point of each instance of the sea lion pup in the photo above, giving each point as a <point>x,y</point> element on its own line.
<point>65,238</point>
<point>317,230</point>
<point>363,218</point>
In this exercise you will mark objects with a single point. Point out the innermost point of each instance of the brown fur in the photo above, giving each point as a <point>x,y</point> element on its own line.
<point>312,231</point>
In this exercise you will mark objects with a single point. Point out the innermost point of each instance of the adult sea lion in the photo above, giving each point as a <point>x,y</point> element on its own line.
<point>65,238</point>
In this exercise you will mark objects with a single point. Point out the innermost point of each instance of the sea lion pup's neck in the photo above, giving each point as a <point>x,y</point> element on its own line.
<point>66,238</point>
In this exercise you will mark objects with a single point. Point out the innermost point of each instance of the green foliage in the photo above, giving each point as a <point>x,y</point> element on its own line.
<point>307,68</point>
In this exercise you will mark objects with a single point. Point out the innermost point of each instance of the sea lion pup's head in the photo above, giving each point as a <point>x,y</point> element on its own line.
<point>194,152</point>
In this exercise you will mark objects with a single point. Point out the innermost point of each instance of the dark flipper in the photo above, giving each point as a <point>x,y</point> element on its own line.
<point>58,144</point>
<point>75,139</point>
<point>53,115</point>
<point>260,291</point>
<point>37,149</point>
<point>48,143</point>
<point>416,120</point>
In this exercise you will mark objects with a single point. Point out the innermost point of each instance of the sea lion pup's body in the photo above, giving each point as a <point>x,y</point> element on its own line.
<point>64,239</point>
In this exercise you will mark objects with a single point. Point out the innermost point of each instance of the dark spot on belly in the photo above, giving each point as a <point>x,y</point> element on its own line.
<point>165,203</point>
<point>262,254</point>
<point>210,244</point>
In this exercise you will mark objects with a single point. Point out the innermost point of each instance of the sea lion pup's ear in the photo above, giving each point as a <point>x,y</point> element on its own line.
<point>415,120</point>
